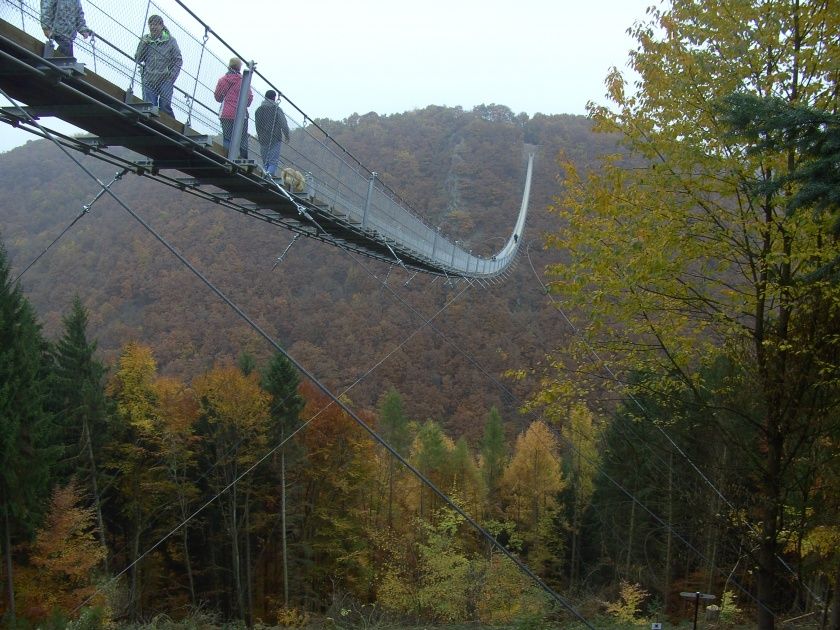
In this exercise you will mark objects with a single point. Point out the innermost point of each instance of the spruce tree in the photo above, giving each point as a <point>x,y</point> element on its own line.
<point>771,124</point>
<point>493,455</point>
<point>395,432</point>
<point>78,398</point>
<point>394,422</point>
<point>281,381</point>
<point>25,424</point>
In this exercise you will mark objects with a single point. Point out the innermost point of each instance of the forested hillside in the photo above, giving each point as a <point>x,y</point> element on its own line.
<point>461,170</point>
<point>165,397</point>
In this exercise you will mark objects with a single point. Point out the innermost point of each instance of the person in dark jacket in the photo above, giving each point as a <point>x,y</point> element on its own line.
<point>272,127</point>
<point>227,93</point>
<point>160,60</point>
<point>61,20</point>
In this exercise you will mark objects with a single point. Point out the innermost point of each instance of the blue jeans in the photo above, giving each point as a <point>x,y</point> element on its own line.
<point>160,95</point>
<point>271,157</point>
<point>227,133</point>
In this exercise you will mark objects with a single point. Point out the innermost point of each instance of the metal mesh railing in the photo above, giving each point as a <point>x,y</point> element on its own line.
<point>333,175</point>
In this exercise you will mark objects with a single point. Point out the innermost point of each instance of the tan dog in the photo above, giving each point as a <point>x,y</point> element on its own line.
<point>293,180</point>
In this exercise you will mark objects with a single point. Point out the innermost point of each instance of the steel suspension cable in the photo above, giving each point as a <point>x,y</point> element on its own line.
<point>85,209</point>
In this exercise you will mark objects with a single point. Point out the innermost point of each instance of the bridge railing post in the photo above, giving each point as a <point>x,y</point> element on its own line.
<point>371,183</point>
<point>197,74</point>
<point>241,111</point>
<point>130,91</point>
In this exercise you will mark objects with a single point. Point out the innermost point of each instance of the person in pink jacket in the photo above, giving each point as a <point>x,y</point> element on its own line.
<point>227,93</point>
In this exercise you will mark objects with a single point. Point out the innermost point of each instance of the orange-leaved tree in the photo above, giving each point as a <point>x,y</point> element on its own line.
<point>66,553</point>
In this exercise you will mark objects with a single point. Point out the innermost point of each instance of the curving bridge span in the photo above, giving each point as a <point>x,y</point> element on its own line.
<point>343,203</point>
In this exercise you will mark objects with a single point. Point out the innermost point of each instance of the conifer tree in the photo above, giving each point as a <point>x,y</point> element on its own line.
<point>78,398</point>
<point>582,466</point>
<point>281,381</point>
<point>772,124</point>
<point>531,483</point>
<point>493,455</point>
<point>395,432</point>
<point>178,410</point>
<point>431,456</point>
<point>467,482</point>
<point>339,472</point>
<point>25,425</point>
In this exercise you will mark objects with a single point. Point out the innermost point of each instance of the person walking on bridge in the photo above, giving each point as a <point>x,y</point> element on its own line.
<point>272,127</point>
<point>61,20</point>
<point>227,93</point>
<point>160,64</point>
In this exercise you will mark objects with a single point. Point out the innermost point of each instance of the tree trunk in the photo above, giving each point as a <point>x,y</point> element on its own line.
<point>573,565</point>
<point>576,518</point>
<point>766,558</point>
<point>249,596</point>
<point>134,606</point>
<point>666,589</point>
<point>630,531</point>
<point>835,608</point>
<point>767,562</point>
<point>390,492</point>
<point>714,531</point>
<point>10,575</point>
<point>95,487</point>
<point>185,542</point>
<point>188,564</point>
<point>283,527</point>
<point>234,551</point>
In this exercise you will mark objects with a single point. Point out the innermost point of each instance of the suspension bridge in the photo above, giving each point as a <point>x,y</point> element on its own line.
<point>343,203</point>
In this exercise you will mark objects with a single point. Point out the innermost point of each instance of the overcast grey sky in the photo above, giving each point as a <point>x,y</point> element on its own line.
<point>334,58</point>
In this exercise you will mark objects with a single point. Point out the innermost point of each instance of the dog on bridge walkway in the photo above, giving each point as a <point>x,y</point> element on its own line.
<point>293,180</point>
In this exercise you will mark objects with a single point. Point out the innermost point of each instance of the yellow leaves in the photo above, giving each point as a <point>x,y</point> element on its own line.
<point>615,85</point>
<point>292,617</point>
<point>444,587</point>
<point>823,540</point>
<point>132,386</point>
<point>534,475</point>
<point>232,399</point>
<point>582,434</point>
<point>508,595</point>
<point>396,594</point>
<point>516,375</point>
<point>627,608</point>
<point>177,405</point>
